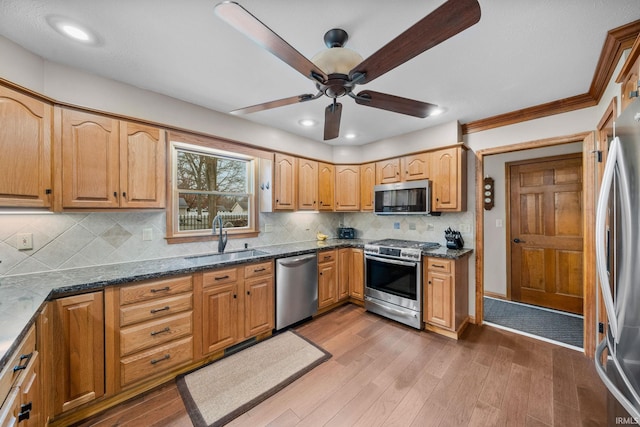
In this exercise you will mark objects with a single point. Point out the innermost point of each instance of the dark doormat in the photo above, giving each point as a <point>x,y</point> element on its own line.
<point>554,325</point>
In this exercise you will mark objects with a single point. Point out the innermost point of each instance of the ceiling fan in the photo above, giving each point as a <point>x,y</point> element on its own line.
<point>337,70</point>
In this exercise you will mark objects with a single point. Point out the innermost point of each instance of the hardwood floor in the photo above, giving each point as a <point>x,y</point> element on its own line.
<point>385,374</point>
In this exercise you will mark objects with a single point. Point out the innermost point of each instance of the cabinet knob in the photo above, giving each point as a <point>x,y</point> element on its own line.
<point>115,194</point>
<point>429,282</point>
<point>633,94</point>
<point>248,293</point>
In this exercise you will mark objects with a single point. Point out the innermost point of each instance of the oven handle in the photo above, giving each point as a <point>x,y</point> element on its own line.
<point>391,261</point>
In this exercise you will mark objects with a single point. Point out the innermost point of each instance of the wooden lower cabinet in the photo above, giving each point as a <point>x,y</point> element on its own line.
<point>350,273</point>
<point>327,278</point>
<point>446,295</point>
<point>77,351</point>
<point>20,392</point>
<point>237,303</point>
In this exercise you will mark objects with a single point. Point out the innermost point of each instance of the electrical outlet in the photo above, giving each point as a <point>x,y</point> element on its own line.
<point>147,234</point>
<point>268,228</point>
<point>412,226</point>
<point>396,226</point>
<point>24,241</point>
<point>430,227</point>
<point>499,223</point>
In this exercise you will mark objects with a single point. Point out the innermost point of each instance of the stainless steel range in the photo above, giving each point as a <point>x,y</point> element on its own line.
<point>393,279</point>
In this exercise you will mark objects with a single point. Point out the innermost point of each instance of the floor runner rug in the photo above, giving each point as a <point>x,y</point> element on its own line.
<point>221,391</point>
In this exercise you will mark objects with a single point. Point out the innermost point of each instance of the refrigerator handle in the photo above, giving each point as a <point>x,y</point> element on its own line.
<point>620,397</point>
<point>601,255</point>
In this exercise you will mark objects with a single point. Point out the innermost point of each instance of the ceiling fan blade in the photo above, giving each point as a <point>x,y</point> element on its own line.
<point>332,116</point>
<point>275,104</point>
<point>443,23</point>
<point>394,103</point>
<point>243,21</point>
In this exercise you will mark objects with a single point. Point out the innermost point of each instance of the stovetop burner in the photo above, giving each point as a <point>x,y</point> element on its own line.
<point>399,243</point>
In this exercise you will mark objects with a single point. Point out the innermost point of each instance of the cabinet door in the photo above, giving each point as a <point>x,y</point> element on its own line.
<point>449,180</point>
<point>78,350</point>
<point>439,303</point>
<point>326,186</point>
<point>285,182</point>
<point>347,188</point>
<point>356,274</point>
<point>219,317</point>
<point>327,288</point>
<point>307,184</point>
<point>367,181</point>
<point>25,144</point>
<point>388,171</point>
<point>30,396</point>
<point>90,161</point>
<point>142,166</point>
<point>344,267</point>
<point>416,166</point>
<point>258,305</point>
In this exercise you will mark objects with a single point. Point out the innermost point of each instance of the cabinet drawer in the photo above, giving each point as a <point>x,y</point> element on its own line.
<point>155,361</point>
<point>260,269</point>
<point>8,376</point>
<point>439,264</point>
<point>219,277</point>
<point>326,256</point>
<point>136,313</point>
<point>153,333</point>
<point>155,289</point>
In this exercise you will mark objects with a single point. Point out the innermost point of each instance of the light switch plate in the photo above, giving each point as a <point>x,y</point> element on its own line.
<point>24,241</point>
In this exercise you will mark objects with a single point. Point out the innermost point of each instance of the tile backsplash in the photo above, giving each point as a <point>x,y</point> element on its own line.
<point>69,240</point>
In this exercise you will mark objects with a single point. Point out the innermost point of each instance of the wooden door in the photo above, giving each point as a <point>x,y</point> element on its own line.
<point>219,317</point>
<point>90,161</point>
<point>546,232</point>
<point>327,289</point>
<point>344,267</point>
<point>417,166</point>
<point>25,144</point>
<point>347,188</point>
<point>356,274</point>
<point>388,171</point>
<point>285,182</point>
<point>142,166</point>
<point>367,182</point>
<point>326,187</point>
<point>78,350</point>
<point>307,185</point>
<point>258,305</point>
<point>438,299</point>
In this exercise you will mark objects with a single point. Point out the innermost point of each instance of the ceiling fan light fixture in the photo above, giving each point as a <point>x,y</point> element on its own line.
<point>436,112</point>
<point>351,135</point>
<point>337,60</point>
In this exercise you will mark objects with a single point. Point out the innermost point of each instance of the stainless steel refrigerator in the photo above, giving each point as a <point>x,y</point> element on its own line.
<point>618,264</point>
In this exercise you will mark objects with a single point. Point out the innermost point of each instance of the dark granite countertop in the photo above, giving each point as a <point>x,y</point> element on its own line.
<point>22,296</point>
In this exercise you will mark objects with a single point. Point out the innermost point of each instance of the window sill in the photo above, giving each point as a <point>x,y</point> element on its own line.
<point>208,237</point>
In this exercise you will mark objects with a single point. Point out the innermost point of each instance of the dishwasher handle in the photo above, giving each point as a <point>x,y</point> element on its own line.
<point>296,261</point>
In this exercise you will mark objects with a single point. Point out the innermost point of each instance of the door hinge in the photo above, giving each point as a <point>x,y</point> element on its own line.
<point>598,155</point>
<point>601,327</point>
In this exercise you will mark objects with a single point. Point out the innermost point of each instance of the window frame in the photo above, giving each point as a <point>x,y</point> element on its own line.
<point>214,147</point>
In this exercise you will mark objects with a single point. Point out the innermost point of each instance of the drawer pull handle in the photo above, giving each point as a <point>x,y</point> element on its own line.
<point>437,265</point>
<point>154,333</point>
<point>165,357</point>
<point>156,310</point>
<point>166,288</point>
<point>21,365</point>
<point>327,257</point>
<point>221,277</point>
<point>258,270</point>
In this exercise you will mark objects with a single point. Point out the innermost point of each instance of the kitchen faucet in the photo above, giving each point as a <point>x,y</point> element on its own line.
<point>222,239</point>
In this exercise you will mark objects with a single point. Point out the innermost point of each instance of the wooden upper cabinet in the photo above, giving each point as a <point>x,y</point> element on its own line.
<point>388,171</point>
<point>448,174</point>
<point>25,144</point>
<point>629,77</point>
<point>367,181</point>
<point>416,166</point>
<point>90,160</point>
<point>142,166</point>
<point>285,182</point>
<point>326,187</point>
<point>347,188</point>
<point>108,163</point>
<point>307,184</point>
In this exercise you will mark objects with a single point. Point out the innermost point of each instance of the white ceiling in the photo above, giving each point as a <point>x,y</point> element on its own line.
<point>522,53</point>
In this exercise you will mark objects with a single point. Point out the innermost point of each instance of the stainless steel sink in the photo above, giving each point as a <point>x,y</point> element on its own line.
<point>227,256</point>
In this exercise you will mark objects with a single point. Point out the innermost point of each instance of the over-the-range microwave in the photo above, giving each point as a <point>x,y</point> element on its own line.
<point>412,197</point>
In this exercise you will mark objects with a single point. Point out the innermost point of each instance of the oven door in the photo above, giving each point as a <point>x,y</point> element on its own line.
<point>394,281</point>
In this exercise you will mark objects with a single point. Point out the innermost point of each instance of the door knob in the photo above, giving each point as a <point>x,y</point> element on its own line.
<point>516,240</point>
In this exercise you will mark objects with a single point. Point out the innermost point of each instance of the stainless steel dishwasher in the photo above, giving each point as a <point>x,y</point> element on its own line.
<point>296,289</point>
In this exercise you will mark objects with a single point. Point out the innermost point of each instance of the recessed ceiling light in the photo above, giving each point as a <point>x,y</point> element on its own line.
<point>436,112</point>
<point>307,123</point>
<point>350,135</point>
<point>68,28</point>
